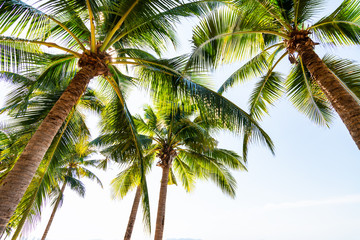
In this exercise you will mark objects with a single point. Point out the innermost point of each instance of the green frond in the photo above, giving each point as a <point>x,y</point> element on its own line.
<point>75,185</point>
<point>267,90</point>
<point>347,73</point>
<point>280,10</point>
<point>184,173</point>
<point>172,178</point>
<point>17,54</point>
<point>90,175</point>
<point>18,16</point>
<point>222,35</point>
<point>307,96</point>
<point>222,112</point>
<point>125,181</point>
<point>305,10</point>
<point>341,27</point>
<point>206,167</point>
<point>151,22</point>
<point>78,29</point>
<point>251,69</point>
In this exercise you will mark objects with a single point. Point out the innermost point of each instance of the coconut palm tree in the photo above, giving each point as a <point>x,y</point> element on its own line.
<point>118,33</point>
<point>188,166</point>
<point>26,113</point>
<point>186,151</point>
<point>269,30</point>
<point>74,167</point>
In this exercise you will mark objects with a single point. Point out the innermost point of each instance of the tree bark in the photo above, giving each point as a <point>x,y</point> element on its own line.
<point>19,178</point>
<point>53,212</point>
<point>343,103</point>
<point>160,218</point>
<point>133,213</point>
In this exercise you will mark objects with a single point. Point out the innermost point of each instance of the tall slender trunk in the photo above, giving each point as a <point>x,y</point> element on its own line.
<point>160,218</point>
<point>132,217</point>
<point>19,178</point>
<point>54,211</point>
<point>343,103</point>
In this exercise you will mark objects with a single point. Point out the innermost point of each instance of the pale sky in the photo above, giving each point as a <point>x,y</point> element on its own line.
<point>309,190</point>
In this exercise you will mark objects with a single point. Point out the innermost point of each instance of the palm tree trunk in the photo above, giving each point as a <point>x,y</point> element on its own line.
<point>160,218</point>
<point>54,211</point>
<point>132,217</point>
<point>19,178</point>
<point>344,104</point>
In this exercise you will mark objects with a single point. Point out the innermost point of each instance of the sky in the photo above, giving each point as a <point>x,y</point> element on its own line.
<point>309,190</point>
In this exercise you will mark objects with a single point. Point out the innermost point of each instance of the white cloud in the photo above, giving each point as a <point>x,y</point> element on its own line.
<point>311,203</point>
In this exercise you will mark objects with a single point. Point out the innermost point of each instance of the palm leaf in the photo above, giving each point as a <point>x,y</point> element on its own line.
<point>184,173</point>
<point>250,69</point>
<point>305,10</point>
<point>341,27</point>
<point>25,17</point>
<point>306,95</point>
<point>347,72</point>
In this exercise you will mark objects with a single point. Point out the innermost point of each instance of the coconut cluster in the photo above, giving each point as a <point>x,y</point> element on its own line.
<point>297,37</point>
<point>166,155</point>
<point>98,61</point>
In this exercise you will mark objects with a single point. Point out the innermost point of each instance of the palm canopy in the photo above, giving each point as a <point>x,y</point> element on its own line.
<point>263,32</point>
<point>176,130</point>
<point>171,129</point>
<point>117,28</point>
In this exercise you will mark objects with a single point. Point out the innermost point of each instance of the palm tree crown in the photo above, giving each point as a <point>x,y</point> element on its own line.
<point>266,31</point>
<point>186,151</point>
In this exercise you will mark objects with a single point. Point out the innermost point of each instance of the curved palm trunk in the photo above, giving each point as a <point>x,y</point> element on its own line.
<point>132,217</point>
<point>53,212</point>
<point>344,104</point>
<point>19,178</point>
<point>160,218</point>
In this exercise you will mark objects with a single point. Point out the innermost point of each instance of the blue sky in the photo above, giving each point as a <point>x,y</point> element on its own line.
<point>309,190</point>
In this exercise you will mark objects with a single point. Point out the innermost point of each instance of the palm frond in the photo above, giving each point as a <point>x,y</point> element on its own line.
<point>341,27</point>
<point>17,53</point>
<point>207,167</point>
<point>305,10</point>
<point>222,35</point>
<point>167,86</point>
<point>306,95</point>
<point>347,73</point>
<point>250,69</point>
<point>25,17</point>
<point>267,90</point>
<point>184,173</point>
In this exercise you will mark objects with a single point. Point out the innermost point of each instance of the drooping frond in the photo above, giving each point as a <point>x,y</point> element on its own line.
<point>267,90</point>
<point>306,95</point>
<point>184,173</point>
<point>347,73</point>
<point>206,167</point>
<point>251,69</point>
<point>215,109</point>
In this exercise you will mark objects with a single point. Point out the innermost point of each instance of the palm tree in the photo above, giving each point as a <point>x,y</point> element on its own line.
<point>26,114</point>
<point>270,30</point>
<point>74,167</point>
<point>116,28</point>
<point>185,149</point>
